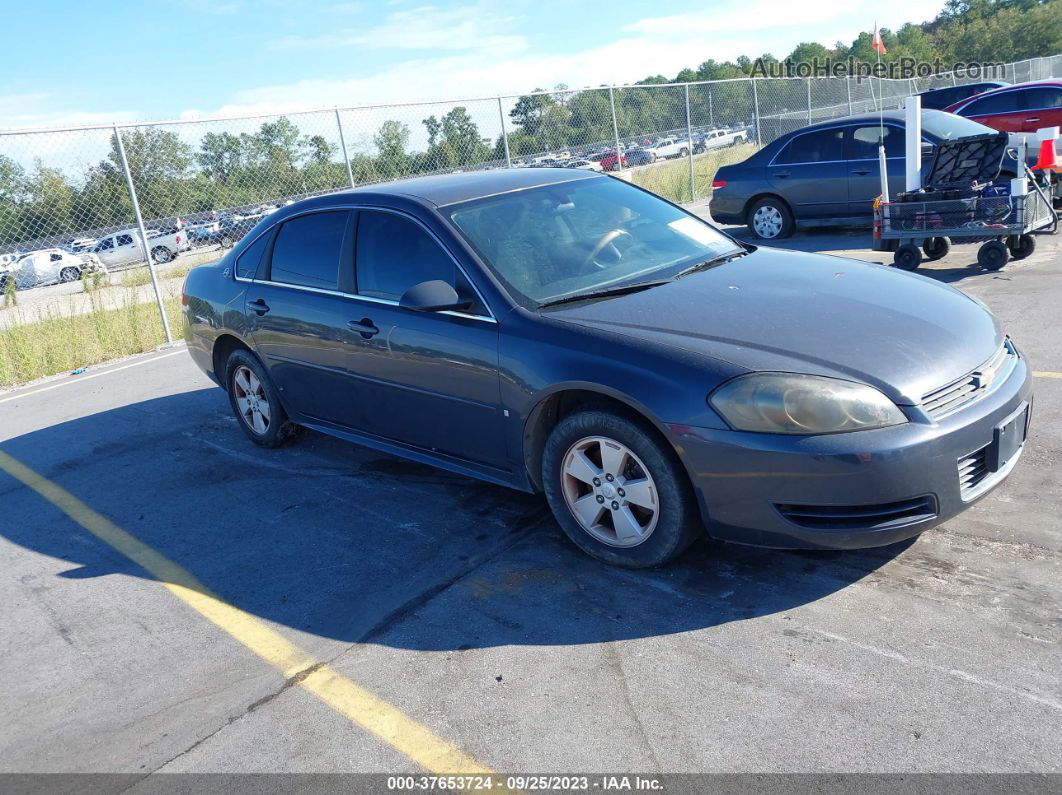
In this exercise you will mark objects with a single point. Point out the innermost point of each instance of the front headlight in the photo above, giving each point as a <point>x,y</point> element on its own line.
<point>802,404</point>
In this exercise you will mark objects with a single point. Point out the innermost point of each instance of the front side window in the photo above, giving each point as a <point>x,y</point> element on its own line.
<point>820,146</point>
<point>560,240</point>
<point>862,144</point>
<point>308,250</point>
<point>125,240</point>
<point>394,253</point>
<point>105,245</point>
<point>998,103</point>
<point>1042,98</point>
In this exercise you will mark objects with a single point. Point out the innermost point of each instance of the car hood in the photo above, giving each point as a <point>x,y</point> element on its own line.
<point>788,311</point>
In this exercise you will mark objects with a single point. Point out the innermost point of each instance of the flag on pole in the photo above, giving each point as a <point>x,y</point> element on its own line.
<point>876,43</point>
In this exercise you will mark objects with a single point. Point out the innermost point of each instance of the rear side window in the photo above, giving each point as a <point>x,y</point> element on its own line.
<point>247,263</point>
<point>813,147</point>
<point>1042,98</point>
<point>998,103</point>
<point>394,253</point>
<point>862,144</point>
<point>308,250</point>
<point>124,240</point>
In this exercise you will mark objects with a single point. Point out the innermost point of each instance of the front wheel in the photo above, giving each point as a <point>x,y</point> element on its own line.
<point>254,401</point>
<point>618,493</point>
<point>993,255</point>
<point>936,247</point>
<point>770,219</point>
<point>1021,246</point>
<point>69,275</point>
<point>161,254</point>
<point>907,257</point>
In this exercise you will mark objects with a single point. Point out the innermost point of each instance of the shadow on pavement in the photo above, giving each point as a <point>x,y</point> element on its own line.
<point>345,543</point>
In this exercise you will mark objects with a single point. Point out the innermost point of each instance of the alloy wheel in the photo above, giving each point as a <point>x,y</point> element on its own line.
<point>251,399</point>
<point>609,491</point>
<point>767,221</point>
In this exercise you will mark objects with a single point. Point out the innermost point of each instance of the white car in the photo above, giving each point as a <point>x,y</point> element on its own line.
<point>49,266</point>
<point>586,165</point>
<point>717,139</point>
<point>668,147</point>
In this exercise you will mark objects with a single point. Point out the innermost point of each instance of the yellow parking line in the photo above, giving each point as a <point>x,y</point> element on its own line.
<point>1046,374</point>
<point>357,704</point>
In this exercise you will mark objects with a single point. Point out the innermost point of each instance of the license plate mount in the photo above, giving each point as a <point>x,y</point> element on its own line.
<point>1007,439</point>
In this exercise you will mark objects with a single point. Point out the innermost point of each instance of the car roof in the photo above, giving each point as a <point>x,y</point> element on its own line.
<point>444,189</point>
<point>1054,83</point>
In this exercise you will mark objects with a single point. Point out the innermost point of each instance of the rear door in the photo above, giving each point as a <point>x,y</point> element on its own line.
<point>298,313</point>
<point>1042,107</point>
<point>810,173</point>
<point>864,171</point>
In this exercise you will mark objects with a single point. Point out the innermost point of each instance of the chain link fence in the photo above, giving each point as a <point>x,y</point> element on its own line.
<point>201,183</point>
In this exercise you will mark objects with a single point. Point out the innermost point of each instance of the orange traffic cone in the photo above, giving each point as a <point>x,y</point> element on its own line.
<point>1048,159</point>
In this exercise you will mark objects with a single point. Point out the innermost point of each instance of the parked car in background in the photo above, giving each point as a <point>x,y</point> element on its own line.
<point>49,266</point>
<point>941,98</point>
<point>81,244</point>
<point>608,161</point>
<point>1020,108</point>
<point>561,332</point>
<point>586,165</point>
<point>639,157</point>
<point>667,147</point>
<point>123,248</point>
<point>201,233</point>
<point>230,233</point>
<point>827,174</point>
<point>718,139</point>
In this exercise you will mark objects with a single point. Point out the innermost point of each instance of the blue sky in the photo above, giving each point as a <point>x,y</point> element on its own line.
<point>160,59</point>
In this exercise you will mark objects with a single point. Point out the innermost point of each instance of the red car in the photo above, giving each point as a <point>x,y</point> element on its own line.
<point>1025,107</point>
<point>608,162</point>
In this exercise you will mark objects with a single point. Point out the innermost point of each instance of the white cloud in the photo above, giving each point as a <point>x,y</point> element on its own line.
<point>33,110</point>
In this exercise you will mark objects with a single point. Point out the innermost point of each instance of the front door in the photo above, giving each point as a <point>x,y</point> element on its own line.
<point>430,378</point>
<point>864,170</point>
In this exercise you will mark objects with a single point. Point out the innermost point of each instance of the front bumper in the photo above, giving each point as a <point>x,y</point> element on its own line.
<point>742,478</point>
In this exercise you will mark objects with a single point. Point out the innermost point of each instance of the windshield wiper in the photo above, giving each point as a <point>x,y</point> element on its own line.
<point>606,293</point>
<point>710,263</point>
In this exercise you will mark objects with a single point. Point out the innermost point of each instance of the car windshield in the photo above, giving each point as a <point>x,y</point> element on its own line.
<point>947,126</point>
<point>584,236</point>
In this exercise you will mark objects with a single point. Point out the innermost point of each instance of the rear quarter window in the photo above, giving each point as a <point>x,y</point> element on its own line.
<point>247,263</point>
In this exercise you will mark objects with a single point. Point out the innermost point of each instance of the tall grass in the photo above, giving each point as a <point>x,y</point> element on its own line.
<point>44,341</point>
<point>672,178</point>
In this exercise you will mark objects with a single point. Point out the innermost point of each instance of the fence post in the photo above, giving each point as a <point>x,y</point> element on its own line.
<point>809,100</point>
<point>143,234</point>
<point>505,135</point>
<point>848,85</point>
<point>756,110</point>
<point>343,146</point>
<point>615,126</point>
<point>689,140</point>
<point>711,112</point>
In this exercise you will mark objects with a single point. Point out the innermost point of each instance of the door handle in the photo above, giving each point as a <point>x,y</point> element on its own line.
<point>259,306</point>
<point>861,172</point>
<point>782,174</point>
<point>1035,118</point>
<point>365,327</point>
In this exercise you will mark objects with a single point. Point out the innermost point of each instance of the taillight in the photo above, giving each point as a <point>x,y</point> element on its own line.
<point>178,239</point>
<point>718,183</point>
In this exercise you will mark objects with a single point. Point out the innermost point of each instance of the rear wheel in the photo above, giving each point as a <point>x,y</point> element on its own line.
<point>770,219</point>
<point>1021,246</point>
<point>254,401</point>
<point>936,247</point>
<point>993,255</point>
<point>907,257</point>
<point>618,493</point>
<point>161,254</point>
<point>69,275</point>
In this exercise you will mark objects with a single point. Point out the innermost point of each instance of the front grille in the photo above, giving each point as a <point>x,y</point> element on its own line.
<point>860,517</point>
<point>972,470</point>
<point>973,386</point>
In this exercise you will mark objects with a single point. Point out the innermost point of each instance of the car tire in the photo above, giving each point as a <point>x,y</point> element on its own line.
<point>1021,246</point>
<point>907,257</point>
<point>993,255</point>
<point>684,152</point>
<point>225,242</point>
<point>255,402</point>
<point>69,275</point>
<point>655,530</point>
<point>161,254</point>
<point>936,248</point>
<point>770,219</point>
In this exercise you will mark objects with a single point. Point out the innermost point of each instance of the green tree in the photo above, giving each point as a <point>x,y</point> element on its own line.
<point>391,140</point>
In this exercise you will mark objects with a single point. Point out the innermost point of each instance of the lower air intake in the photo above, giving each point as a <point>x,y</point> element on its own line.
<point>860,517</point>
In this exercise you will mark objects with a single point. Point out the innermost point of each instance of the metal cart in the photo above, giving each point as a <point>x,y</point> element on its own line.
<point>1002,224</point>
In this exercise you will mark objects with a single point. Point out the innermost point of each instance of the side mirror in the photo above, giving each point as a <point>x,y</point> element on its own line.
<point>433,296</point>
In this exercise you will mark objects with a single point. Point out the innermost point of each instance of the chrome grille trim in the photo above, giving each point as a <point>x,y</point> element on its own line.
<point>972,386</point>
